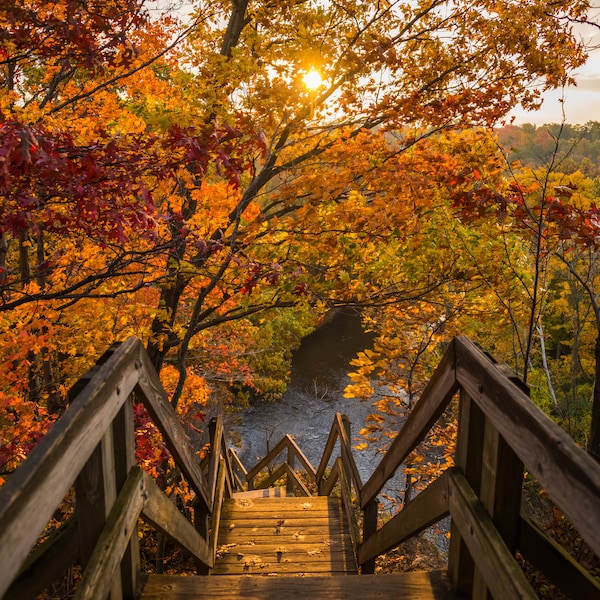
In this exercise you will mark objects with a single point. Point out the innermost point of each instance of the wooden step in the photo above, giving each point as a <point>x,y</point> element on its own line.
<point>407,586</point>
<point>276,492</point>
<point>283,535</point>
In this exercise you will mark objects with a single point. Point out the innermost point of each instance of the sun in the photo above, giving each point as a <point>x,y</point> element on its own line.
<point>313,80</point>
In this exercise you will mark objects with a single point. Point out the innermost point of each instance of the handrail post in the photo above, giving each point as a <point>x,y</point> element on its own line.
<point>99,483</point>
<point>289,486</point>
<point>123,428</point>
<point>369,529</point>
<point>468,456</point>
<point>201,516</point>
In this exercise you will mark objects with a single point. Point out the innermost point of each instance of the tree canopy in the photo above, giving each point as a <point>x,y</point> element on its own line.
<point>169,175</point>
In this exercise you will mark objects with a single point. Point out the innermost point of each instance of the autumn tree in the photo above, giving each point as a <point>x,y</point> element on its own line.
<point>176,166</point>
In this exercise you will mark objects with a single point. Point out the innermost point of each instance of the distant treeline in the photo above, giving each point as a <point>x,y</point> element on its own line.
<point>571,147</point>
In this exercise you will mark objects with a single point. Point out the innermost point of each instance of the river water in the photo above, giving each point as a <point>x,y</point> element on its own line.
<point>314,395</point>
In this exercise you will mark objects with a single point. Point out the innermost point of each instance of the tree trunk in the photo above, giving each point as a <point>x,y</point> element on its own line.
<point>594,440</point>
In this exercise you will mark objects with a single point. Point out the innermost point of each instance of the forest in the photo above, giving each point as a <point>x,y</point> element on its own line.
<point>217,177</point>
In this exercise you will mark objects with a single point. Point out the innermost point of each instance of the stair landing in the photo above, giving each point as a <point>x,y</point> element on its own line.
<point>408,586</point>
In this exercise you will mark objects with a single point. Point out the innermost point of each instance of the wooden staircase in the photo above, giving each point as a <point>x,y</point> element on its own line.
<point>273,546</point>
<point>317,537</point>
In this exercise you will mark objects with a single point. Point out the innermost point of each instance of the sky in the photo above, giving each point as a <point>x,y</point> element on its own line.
<point>581,103</point>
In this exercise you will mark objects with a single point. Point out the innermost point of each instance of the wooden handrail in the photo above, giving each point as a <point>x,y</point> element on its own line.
<point>92,445</point>
<point>288,443</point>
<point>340,430</point>
<point>500,430</point>
<point>435,398</point>
<point>569,475</point>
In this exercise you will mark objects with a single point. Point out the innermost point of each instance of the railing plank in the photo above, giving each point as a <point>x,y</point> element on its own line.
<point>327,451</point>
<point>156,402</point>
<point>346,450</point>
<point>218,505</point>
<point>346,493</point>
<point>500,494</point>
<point>327,485</point>
<point>260,465</point>
<point>297,452</point>
<point>293,477</point>
<point>567,473</point>
<point>427,508</point>
<point>30,497</point>
<point>163,515</point>
<point>236,463</point>
<point>121,524</point>
<point>47,563</point>
<point>556,563</point>
<point>492,558</point>
<point>435,398</point>
<point>123,430</point>
<point>215,429</point>
<point>468,458</point>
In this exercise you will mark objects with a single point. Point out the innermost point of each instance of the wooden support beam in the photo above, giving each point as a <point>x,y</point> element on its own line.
<point>569,475</point>
<point>163,515</point>
<point>427,508</point>
<point>156,402</point>
<point>555,562</point>
<point>468,457</point>
<point>492,558</point>
<point>47,563</point>
<point>121,524</point>
<point>436,396</point>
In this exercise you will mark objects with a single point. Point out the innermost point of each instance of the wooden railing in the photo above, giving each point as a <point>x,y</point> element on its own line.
<point>90,450</point>
<point>500,432</point>
<point>286,469</point>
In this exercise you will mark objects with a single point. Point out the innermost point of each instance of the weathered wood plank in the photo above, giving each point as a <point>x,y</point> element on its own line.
<point>121,524</point>
<point>327,452</point>
<point>310,537</point>
<point>252,566</point>
<point>500,494</point>
<point>468,457</point>
<point>497,565</point>
<point>427,508</point>
<point>346,451</point>
<point>349,508</point>
<point>263,463</point>
<point>569,475</point>
<point>295,450</point>
<point>277,504</point>
<point>156,402</point>
<point>47,563</point>
<point>216,438</point>
<point>218,507</point>
<point>232,531</point>
<point>30,497</point>
<point>162,514</point>
<point>436,396</point>
<point>287,553</point>
<point>123,429</point>
<point>555,563</point>
<point>410,586</point>
<point>282,522</point>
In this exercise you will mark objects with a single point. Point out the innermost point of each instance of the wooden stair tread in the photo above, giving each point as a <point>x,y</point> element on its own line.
<point>283,535</point>
<point>276,492</point>
<point>408,586</point>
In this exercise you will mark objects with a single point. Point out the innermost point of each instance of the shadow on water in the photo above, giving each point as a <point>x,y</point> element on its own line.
<point>315,393</point>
